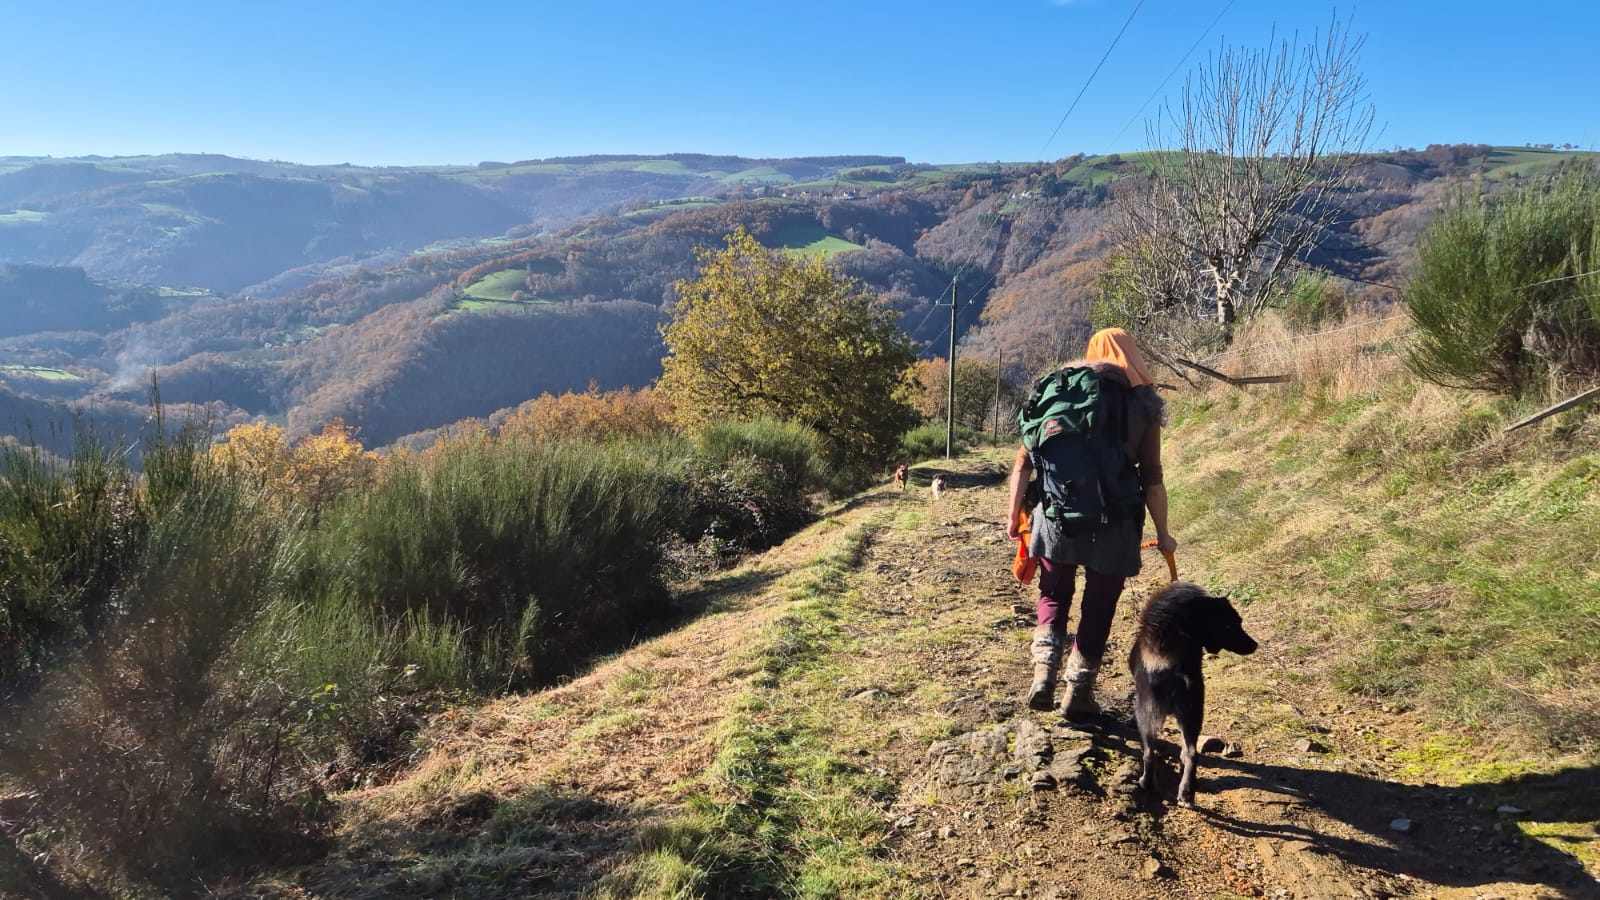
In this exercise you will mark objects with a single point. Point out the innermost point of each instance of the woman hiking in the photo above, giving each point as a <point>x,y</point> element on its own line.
<point>1108,552</point>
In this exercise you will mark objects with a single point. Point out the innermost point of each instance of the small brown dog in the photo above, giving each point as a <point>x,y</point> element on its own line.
<point>900,477</point>
<point>937,486</point>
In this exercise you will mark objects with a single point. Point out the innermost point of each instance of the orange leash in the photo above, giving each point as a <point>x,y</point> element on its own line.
<point>1172,560</point>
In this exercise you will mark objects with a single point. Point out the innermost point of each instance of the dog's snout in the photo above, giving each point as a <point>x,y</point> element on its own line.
<point>1243,644</point>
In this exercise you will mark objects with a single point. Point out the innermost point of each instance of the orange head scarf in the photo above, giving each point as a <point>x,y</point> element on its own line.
<point>1117,346</point>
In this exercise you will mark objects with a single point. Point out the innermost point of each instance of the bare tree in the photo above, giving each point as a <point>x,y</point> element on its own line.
<point>1249,173</point>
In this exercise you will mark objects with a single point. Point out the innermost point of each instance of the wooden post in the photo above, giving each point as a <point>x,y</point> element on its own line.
<point>1235,381</point>
<point>1563,406</point>
<point>950,409</point>
<point>999,366</point>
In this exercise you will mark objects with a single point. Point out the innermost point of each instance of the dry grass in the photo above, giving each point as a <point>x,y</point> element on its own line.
<point>1414,550</point>
<point>1344,360</point>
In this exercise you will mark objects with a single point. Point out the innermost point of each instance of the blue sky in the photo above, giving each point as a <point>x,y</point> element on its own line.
<point>401,83</point>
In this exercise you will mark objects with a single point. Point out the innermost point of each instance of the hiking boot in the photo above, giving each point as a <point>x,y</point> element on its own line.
<point>1046,652</point>
<point>1078,703</point>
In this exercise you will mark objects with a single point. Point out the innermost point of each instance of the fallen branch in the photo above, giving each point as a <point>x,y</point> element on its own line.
<point>1563,406</point>
<point>1235,380</point>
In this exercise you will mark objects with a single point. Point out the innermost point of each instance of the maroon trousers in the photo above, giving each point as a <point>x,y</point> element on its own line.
<point>1100,592</point>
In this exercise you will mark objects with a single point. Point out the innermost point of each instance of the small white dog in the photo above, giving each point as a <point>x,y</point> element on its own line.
<point>937,486</point>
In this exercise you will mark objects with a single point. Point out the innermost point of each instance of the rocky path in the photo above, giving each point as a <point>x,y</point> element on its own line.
<point>1301,801</point>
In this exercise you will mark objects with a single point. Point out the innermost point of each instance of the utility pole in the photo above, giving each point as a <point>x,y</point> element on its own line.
<point>999,366</point>
<point>950,407</point>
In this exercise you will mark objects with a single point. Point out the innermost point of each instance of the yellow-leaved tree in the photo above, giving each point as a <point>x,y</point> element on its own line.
<point>760,333</point>
<point>592,415</point>
<point>316,470</point>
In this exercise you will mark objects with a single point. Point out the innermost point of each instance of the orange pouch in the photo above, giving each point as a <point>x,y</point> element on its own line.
<point>1024,565</point>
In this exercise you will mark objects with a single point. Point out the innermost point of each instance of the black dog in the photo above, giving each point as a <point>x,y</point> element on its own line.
<point>1175,626</point>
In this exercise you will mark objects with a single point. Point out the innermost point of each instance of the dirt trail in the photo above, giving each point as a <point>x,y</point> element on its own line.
<point>1018,803</point>
<point>544,794</point>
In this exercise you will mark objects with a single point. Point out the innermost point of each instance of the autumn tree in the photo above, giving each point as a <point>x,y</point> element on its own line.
<point>1252,168</point>
<point>976,383</point>
<point>762,333</point>
<point>593,415</point>
<point>315,471</point>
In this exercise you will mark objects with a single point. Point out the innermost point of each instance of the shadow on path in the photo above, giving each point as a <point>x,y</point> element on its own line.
<point>1457,837</point>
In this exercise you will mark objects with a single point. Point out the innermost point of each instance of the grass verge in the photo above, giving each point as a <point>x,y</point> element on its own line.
<point>1399,545</point>
<point>784,810</point>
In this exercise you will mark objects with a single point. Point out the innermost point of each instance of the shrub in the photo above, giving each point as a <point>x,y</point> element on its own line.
<point>144,743</point>
<point>66,537</point>
<point>794,451</point>
<point>1501,299</point>
<point>212,646</point>
<point>314,471</point>
<point>1314,301</point>
<point>536,552</point>
<point>354,686</point>
<point>927,441</point>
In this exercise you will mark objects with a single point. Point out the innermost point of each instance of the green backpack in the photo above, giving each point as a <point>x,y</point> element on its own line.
<point>1075,429</point>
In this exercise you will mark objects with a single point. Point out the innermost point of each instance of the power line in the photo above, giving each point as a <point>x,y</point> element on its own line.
<point>946,329</point>
<point>1311,268</point>
<point>1090,80</point>
<point>1038,228</point>
<point>1192,47</point>
<point>931,307</point>
<point>1559,278</point>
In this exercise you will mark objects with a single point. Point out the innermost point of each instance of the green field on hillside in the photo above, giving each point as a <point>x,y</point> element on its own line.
<point>189,293</point>
<point>651,166</point>
<point>22,217</point>
<point>503,286</point>
<point>499,286</point>
<point>757,175</point>
<point>1502,162</point>
<point>808,240</point>
<point>666,207</point>
<point>44,373</point>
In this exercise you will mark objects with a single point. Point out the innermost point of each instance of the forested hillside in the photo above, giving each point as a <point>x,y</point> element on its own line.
<point>259,228</point>
<point>414,338</point>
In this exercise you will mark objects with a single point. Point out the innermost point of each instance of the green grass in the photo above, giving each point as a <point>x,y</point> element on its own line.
<point>44,373</point>
<point>498,286</point>
<point>1463,589</point>
<point>784,812</point>
<point>758,175</point>
<point>808,240</point>
<point>498,290</point>
<point>1502,162</point>
<point>666,207</point>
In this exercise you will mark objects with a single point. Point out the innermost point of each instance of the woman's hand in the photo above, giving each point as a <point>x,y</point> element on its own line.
<point>1166,543</point>
<point>1014,525</point>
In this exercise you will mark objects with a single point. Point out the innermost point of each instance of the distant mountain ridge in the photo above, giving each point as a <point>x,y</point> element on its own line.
<point>237,225</point>
<point>399,341</point>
